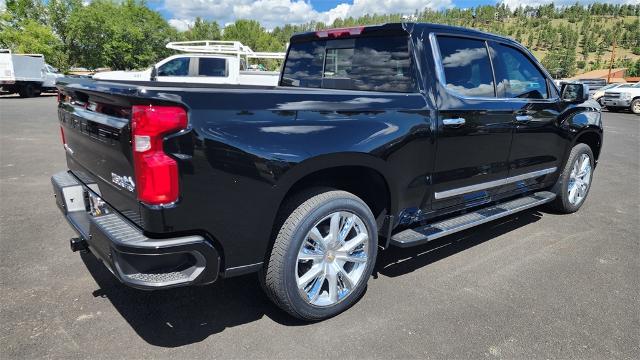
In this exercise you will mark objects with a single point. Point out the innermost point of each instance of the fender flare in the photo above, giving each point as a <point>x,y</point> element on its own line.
<point>335,160</point>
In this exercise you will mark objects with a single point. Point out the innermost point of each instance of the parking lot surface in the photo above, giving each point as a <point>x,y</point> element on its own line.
<point>534,285</point>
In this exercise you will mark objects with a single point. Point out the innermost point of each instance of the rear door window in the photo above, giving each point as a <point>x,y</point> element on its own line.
<point>369,64</point>
<point>212,67</point>
<point>466,66</point>
<point>517,76</point>
<point>175,67</point>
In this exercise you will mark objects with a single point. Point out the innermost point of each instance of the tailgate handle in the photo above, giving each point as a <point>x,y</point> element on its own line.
<point>454,122</point>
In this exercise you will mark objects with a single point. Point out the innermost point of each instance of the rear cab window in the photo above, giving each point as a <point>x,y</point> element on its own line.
<point>216,67</point>
<point>361,63</point>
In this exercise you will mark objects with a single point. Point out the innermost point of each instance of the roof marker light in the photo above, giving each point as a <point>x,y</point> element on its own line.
<point>341,32</point>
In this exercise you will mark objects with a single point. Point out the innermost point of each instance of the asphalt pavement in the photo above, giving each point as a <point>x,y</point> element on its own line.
<point>533,285</point>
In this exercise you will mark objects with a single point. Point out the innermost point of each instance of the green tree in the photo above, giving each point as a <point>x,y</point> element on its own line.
<point>635,69</point>
<point>59,12</point>
<point>21,10</point>
<point>202,30</point>
<point>30,37</point>
<point>125,35</point>
<point>561,63</point>
<point>252,34</point>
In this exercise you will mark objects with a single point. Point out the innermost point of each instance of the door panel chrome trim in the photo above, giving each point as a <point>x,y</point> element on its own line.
<point>490,184</point>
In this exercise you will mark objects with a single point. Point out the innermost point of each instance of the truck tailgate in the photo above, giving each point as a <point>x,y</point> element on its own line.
<point>97,139</point>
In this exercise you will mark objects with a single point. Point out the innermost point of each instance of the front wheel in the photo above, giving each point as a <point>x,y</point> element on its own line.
<point>574,182</point>
<point>322,256</point>
<point>635,106</point>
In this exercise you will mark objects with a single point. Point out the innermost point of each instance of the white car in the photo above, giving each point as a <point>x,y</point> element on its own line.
<point>26,74</point>
<point>208,62</point>
<point>623,98</point>
<point>598,95</point>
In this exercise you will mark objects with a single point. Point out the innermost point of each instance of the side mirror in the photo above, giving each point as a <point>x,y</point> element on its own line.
<point>574,92</point>
<point>154,73</point>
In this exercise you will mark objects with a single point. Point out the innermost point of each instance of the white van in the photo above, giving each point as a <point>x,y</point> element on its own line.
<point>209,62</point>
<point>26,74</point>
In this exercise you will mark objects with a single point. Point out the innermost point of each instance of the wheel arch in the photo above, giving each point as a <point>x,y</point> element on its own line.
<point>591,137</point>
<point>361,174</point>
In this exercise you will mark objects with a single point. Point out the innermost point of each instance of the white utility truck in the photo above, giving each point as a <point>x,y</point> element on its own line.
<point>208,62</point>
<point>26,74</point>
<point>623,98</point>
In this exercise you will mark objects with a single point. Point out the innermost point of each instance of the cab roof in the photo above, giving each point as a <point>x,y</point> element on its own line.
<point>391,29</point>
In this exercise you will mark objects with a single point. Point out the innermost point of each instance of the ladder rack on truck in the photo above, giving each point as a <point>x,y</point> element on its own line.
<point>223,47</point>
<point>207,62</point>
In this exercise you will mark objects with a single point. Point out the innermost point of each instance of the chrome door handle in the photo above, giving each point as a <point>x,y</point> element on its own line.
<point>523,118</point>
<point>453,122</point>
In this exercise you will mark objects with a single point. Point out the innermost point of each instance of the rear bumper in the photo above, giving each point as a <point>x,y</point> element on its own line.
<point>134,258</point>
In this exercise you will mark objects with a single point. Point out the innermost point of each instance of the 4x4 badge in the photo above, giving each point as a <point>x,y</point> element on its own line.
<point>123,181</point>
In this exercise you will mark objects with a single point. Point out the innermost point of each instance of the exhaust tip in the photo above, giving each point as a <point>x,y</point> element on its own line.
<point>78,244</point>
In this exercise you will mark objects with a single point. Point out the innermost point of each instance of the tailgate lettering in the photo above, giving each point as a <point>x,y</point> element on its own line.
<point>123,181</point>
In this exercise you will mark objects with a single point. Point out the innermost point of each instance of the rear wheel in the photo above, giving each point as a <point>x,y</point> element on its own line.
<point>574,182</point>
<point>322,256</point>
<point>635,106</point>
<point>28,90</point>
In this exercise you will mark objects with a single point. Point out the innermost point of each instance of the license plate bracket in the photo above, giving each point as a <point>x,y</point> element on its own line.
<point>97,206</point>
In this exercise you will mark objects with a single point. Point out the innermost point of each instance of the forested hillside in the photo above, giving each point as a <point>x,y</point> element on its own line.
<point>127,34</point>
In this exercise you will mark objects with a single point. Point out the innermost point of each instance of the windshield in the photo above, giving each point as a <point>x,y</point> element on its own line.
<point>636,85</point>
<point>606,87</point>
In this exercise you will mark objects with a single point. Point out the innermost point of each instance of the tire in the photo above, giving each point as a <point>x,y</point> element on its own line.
<point>572,189</point>
<point>27,91</point>
<point>329,284</point>
<point>635,106</point>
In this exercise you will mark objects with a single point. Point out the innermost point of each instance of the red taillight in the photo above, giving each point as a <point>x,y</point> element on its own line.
<point>336,33</point>
<point>64,142</point>
<point>156,173</point>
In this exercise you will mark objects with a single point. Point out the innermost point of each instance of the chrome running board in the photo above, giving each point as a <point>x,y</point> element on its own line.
<point>423,234</point>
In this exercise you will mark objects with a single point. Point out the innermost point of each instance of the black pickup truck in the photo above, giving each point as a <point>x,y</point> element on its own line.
<point>377,136</point>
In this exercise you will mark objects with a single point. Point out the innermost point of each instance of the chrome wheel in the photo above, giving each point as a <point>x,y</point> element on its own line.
<point>332,259</point>
<point>635,107</point>
<point>579,179</point>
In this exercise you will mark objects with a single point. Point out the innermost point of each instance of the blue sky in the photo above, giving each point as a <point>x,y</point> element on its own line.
<point>271,13</point>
